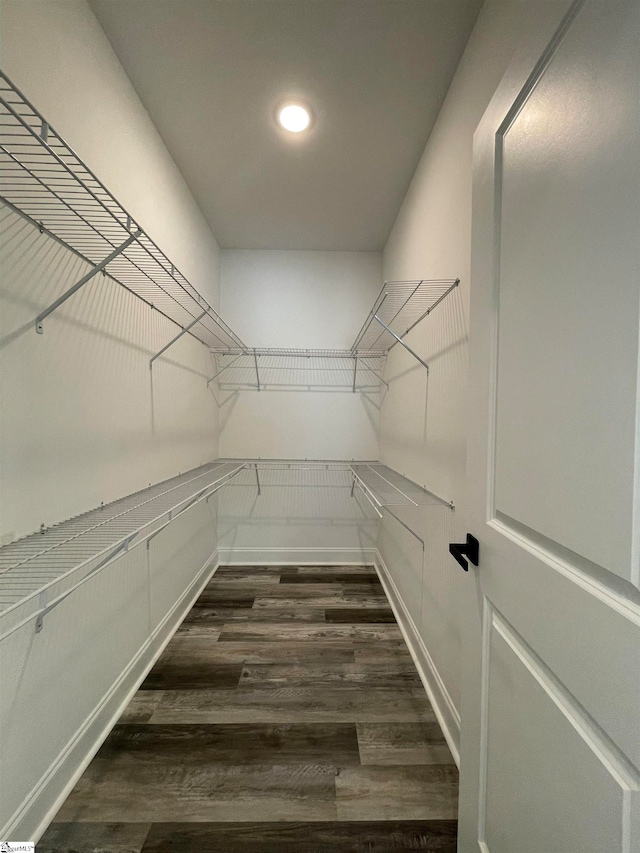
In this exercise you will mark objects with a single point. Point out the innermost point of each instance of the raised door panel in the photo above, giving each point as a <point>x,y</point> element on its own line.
<point>553,781</point>
<point>569,296</point>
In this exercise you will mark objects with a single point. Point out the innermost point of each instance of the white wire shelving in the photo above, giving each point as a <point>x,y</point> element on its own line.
<point>293,473</point>
<point>321,369</point>
<point>389,488</point>
<point>30,568</point>
<point>398,308</point>
<point>45,181</point>
<point>385,486</point>
<point>382,487</point>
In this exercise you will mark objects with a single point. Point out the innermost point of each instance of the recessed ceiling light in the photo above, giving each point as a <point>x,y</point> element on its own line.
<point>294,117</point>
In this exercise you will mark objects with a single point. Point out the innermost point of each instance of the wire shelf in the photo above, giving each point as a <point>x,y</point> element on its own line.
<point>294,473</point>
<point>388,488</point>
<point>31,565</point>
<point>297,464</point>
<point>400,306</point>
<point>295,477</point>
<point>290,368</point>
<point>284,352</point>
<point>43,180</point>
<point>384,485</point>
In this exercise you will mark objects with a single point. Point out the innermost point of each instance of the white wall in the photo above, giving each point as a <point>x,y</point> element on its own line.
<point>306,300</point>
<point>301,516</point>
<point>81,421</point>
<point>423,421</point>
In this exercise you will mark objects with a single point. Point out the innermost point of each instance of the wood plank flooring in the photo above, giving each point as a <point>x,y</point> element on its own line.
<point>285,715</point>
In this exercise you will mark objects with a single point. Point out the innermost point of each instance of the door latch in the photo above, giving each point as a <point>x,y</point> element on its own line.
<point>469,549</point>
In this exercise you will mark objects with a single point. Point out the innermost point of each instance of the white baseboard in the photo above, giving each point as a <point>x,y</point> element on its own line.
<point>296,556</point>
<point>445,710</point>
<point>46,798</point>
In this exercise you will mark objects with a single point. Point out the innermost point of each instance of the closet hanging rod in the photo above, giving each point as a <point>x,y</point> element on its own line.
<point>405,525</point>
<point>371,497</point>
<point>367,496</point>
<point>378,511</point>
<point>47,183</point>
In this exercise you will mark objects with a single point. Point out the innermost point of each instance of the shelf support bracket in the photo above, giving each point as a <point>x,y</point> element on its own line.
<point>401,342</point>
<point>222,370</point>
<point>255,359</point>
<point>355,372</point>
<point>85,278</point>
<point>123,546</point>
<point>376,374</point>
<point>177,338</point>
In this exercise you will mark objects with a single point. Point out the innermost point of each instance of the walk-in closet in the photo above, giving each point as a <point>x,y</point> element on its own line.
<point>318,503</point>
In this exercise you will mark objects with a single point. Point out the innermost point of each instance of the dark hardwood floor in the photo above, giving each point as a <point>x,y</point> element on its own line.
<point>285,716</point>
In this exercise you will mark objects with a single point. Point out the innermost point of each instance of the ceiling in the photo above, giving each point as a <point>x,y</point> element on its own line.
<point>211,74</point>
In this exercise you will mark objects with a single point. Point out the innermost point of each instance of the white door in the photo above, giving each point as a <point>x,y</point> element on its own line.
<point>551,707</point>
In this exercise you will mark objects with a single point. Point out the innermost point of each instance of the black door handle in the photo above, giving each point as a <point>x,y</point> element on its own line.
<point>469,549</point>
